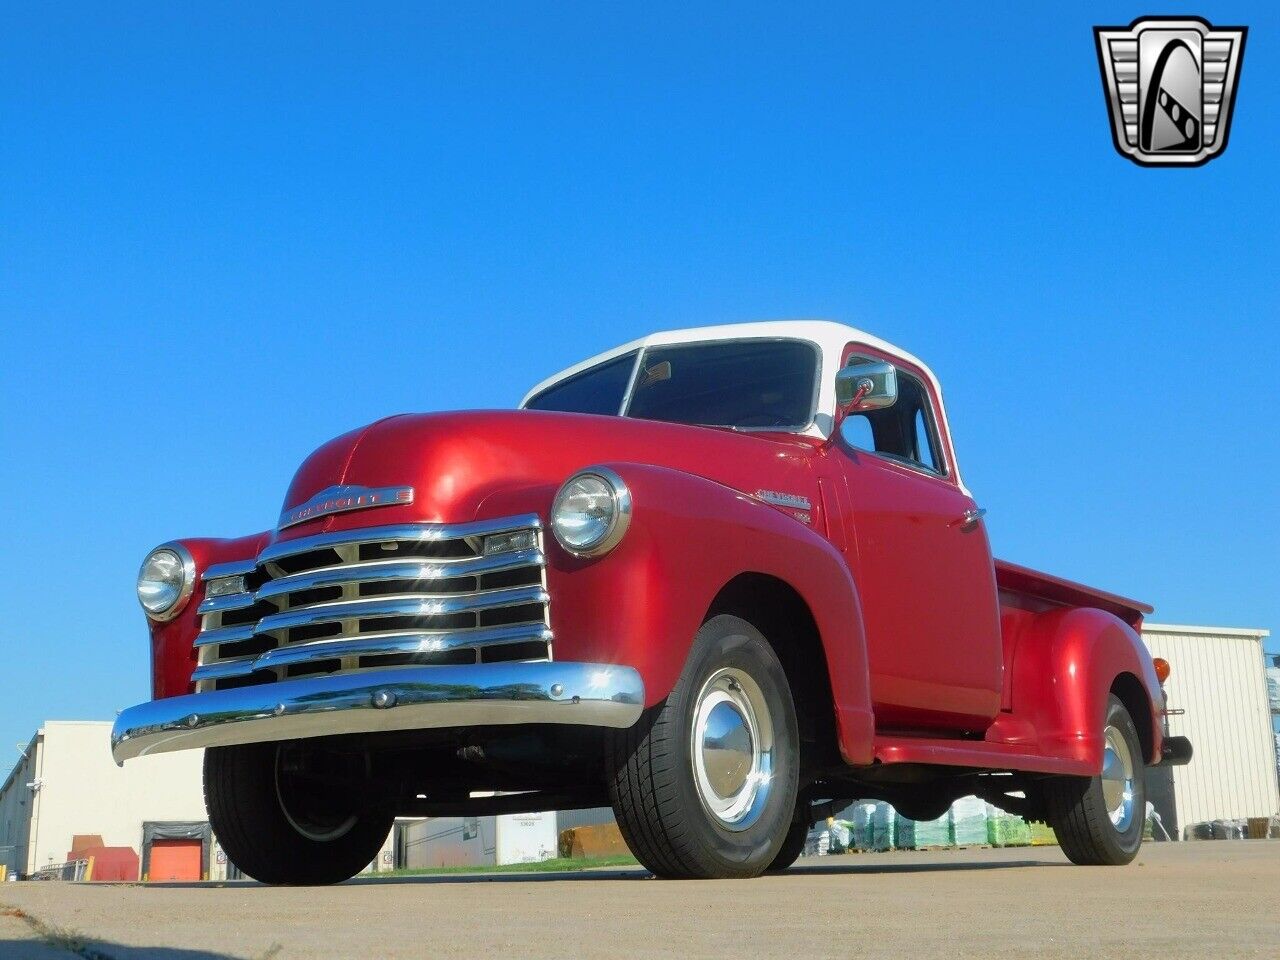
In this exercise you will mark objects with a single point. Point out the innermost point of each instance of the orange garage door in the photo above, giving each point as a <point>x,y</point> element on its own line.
<point>175,860</point>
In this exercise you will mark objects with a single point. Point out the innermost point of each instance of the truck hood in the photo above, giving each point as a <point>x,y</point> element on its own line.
<point>483,464</point>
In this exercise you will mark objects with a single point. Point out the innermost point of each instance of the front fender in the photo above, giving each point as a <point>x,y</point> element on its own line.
<point>1063,672</point>
<point>173,657</point>
<point>642,603</point>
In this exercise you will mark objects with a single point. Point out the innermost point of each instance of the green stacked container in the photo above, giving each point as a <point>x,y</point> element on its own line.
<point>1006,830</point>
<point>929,833</point>
<point>1042,835</point>
<point>860,818</point>
<point>969,819</point>
<point>883,819</point>
<point>904,833</point>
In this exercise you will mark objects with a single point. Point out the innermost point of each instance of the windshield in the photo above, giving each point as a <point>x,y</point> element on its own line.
<point>597,390</point>
<point>745,384</point>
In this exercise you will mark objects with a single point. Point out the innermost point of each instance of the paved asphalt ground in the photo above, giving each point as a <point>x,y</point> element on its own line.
<point>1206,899</point>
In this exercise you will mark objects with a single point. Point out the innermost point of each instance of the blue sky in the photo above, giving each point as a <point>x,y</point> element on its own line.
<point>230,235</point>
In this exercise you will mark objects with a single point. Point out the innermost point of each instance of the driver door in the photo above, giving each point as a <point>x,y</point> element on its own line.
<point>923,566</point>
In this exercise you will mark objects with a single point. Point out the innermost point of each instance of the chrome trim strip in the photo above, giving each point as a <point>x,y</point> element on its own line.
<point>411,532</point>
<point>207,638</point>
<point>372,571</point>
<point>225,668</point>
<point>377,644</point>
<point>411,698</point>
<point>236,568</point>
<point>228,601</point>
<point>423,605</point>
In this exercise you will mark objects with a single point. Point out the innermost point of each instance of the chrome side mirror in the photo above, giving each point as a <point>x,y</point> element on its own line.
<point>866,386</point>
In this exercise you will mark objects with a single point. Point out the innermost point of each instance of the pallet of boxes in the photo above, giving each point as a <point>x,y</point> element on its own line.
<point>970,822</point>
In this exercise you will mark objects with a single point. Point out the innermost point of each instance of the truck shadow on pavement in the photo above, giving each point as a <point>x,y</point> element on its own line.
<point>90,949</point>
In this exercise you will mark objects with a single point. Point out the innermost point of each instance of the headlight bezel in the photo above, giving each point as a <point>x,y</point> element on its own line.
<point>618,524</point>
<point>187,588</point>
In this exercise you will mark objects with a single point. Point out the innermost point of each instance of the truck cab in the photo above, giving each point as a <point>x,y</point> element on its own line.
<point>722,579</point>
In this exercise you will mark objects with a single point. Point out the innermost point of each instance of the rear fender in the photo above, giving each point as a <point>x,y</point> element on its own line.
<point>642,603</point>
<point>1064,669</point>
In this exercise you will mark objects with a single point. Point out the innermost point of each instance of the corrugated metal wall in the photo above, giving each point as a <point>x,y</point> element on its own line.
<point>1218,678</point>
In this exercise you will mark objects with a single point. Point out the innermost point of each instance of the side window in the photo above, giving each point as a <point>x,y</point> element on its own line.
<point>856,430</point>
<point>598,390</point>
<point>906,431</point>
<point>926,453</point>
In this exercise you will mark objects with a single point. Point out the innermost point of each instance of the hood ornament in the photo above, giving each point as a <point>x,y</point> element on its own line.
<point>342,498</point>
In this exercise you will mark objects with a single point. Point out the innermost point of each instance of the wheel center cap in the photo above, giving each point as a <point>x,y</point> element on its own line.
<point>726,749</point>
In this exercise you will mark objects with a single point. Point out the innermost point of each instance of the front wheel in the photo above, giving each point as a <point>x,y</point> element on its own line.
<point>288,814</point>
<point>705,784</point>
<point>1099,820</point>
<point>791,848</point>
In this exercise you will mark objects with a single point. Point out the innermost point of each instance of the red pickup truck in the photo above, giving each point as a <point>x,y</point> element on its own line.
<point>722,579</point>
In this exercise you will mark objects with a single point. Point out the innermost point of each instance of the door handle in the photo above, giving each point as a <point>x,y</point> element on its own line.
<point>969,519</point>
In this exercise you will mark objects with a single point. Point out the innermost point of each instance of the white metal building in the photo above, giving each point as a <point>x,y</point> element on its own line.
<point>65,784</point>
<point>1218,678</point>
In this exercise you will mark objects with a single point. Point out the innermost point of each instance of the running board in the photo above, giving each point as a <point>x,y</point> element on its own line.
<point>974,753</point>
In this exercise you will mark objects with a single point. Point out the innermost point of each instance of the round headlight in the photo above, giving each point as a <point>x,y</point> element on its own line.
<point>591,512</point>
<point>166,580</point>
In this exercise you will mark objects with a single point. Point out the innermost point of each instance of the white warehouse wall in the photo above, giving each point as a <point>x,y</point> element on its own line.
<point>83,791</point>
<point>1218,678</point>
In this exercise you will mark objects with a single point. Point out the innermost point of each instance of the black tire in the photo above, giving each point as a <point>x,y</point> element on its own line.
<point>791,848</point>
<point>243,793</point>
<point>660,812</point>
<point>1078,810</point>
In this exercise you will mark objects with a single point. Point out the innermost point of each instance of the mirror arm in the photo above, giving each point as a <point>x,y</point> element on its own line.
<point>865,386</point>
<point>842,411</point>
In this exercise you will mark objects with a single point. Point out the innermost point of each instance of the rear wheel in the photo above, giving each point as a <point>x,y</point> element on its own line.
<point>705,784</point>
<point>289,814</point>
<point>1099,820</point>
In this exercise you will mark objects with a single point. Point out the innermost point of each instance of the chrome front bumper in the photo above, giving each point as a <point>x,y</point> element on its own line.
<point>408,698</point>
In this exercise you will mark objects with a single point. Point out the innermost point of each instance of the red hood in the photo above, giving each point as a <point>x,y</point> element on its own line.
<point>481,464</point>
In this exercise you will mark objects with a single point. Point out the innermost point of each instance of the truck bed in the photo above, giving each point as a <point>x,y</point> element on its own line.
<point>1025,588</point>
<point>1008,743</point>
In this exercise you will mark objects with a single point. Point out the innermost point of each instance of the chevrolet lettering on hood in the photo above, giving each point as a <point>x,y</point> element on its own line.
<point>341,499</point>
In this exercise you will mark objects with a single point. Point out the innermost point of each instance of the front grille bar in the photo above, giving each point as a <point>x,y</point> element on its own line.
<point>372,645</point>
<point>405,533</point>
<point>430,605</point>
<point>374,571</point>
<point>376,597</point>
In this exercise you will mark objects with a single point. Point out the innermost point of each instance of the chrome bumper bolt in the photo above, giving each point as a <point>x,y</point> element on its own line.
<point>384,699</point>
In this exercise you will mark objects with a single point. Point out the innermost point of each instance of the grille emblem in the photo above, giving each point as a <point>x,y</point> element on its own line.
<point>340,499</point>
<point>1170,84</point>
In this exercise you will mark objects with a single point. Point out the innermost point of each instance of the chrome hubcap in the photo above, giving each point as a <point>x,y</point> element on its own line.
<point>732,748</point>
<point>1117,779</point>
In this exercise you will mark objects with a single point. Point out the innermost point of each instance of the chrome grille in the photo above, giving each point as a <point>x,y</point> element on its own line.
<point>375,598</point>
